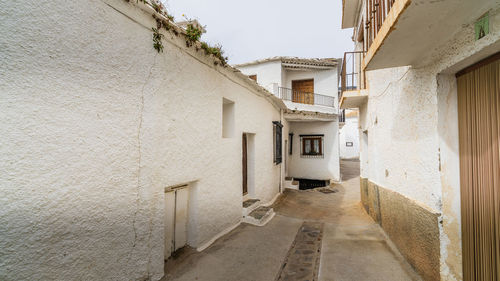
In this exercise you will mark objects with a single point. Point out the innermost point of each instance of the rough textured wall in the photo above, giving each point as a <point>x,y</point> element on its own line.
<point>450,177</point>
<point>462,51</point>
<point>416,106</point>
<point>364,166</point>
<point>363,183</point>
<point>401,121</point>
<point>95,124</point>
<point>349,133</point>
<point>325,81</point>
<point>267,73</point>
<point>325,168</point>
<point>411,226</point>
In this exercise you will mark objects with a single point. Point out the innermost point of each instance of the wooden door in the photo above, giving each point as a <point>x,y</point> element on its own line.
<point>478,89</point>
<point>245,164</point>
<point>303,91</point>
<point>169,223</point>
<point>176,218</point>
<point>181,218</point>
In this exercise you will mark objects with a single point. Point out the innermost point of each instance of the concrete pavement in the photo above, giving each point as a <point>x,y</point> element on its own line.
<point>352,246</point>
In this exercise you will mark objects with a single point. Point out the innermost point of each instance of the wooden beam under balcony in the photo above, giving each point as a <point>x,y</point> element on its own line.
<point>415,32</point>
<point>389,21</point>
<point>353,98</point>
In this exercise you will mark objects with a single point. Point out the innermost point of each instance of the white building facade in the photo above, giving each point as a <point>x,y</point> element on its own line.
<point>349,135</point>
<point>406,76</point>
<point>115,154</point>
<point>104,143</point>
<point>305,85</point>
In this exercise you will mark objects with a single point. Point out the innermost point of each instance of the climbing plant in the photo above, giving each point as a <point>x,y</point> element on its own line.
<point>157,44</point>
<point>193,32</point>
<point>215,51</point>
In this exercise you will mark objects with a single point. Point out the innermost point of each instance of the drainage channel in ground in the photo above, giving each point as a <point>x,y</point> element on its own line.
<point>302,260</point>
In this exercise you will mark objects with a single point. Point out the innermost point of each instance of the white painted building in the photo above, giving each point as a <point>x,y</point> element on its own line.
<point>113,154</point>
<point>428,174</point>
<point>305,85</point>
<point>349,135</point>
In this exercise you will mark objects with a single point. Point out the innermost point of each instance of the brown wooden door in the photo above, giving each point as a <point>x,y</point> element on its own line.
<point>303,91</point>
<point>245,165</point>
<point>479,134</point>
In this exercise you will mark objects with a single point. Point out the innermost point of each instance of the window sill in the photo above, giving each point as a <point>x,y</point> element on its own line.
<point>311,156</point>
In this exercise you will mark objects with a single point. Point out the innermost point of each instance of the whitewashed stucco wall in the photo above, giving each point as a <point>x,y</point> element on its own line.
<point>326,168</point>
<point>268,73</point>
<point>349,133</point>
<point>325,81</point>
<point>401,120</point>
<point>412,131</point>
<point>95,124</point>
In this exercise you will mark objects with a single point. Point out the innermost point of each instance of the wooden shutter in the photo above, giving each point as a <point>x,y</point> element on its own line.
<point>303,91</point>
<point>479,135</point>
<point>245,164</point>
<point>278,153</point>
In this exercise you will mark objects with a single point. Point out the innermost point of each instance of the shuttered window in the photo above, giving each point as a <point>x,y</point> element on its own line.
<point>303,91</point>
<point>277,139</point>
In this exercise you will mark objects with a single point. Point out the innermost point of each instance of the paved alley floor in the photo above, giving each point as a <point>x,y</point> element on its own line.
<point>314,236</point>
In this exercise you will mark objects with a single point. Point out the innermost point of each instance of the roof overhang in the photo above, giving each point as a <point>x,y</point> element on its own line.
<point>414,28</point>
<point>298,63</point>
<point>291,116</point>
<point>349,12</point>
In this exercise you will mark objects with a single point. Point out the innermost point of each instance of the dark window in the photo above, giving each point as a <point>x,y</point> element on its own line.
<point>277,126</point>
<point>290,137</point>
<point>312,145</point>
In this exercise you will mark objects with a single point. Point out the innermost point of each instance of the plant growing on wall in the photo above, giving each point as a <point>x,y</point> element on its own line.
<point>157,44</point>
<point>193,33</point>
<point>215,51</point>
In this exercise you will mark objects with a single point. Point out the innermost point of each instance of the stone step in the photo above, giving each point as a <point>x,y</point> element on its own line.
<point>250,205</point>
<point>260,216</point>
<point>292,184</point>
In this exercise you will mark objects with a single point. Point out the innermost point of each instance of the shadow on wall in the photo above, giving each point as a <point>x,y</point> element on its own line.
<point>413,101</point>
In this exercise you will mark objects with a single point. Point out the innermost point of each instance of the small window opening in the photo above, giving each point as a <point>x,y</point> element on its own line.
<point>311,145</point>
<point>227,118</point>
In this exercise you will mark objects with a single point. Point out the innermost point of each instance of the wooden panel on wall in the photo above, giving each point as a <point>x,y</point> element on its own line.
<point>303,91</point>
<point>479,136</point>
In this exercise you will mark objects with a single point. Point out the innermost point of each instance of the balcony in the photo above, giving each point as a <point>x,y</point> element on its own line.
<point>404,32</point>
<point>352,81</point>
<point>341,118</point>
<point>303,97</point>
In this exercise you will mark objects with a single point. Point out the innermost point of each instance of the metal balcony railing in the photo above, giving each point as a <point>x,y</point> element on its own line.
<point>303,97</point>
<point>352,76</point>
<point>342,116</point>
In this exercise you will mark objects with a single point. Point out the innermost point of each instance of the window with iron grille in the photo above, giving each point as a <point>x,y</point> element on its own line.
<point>311,146</point>
<point>277,138</point>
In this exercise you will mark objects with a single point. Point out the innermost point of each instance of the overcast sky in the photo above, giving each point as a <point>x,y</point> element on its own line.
<point>250,30</point>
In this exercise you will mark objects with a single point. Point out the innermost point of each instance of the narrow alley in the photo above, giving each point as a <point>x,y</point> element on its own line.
<point>181,140</point>
<point>352,246</point>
